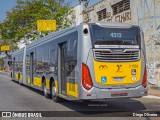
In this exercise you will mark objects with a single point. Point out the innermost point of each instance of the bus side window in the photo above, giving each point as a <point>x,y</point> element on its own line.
<point>53,58</point>
<point>39,60</point>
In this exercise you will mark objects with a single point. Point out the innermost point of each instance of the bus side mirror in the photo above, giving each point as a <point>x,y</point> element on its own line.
<point>9,63</point>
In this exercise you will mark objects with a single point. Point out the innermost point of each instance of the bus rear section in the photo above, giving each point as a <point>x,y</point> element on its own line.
<point>113,62</point>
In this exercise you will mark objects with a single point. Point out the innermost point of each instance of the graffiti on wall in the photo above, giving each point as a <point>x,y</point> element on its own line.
<point>154,38</point>
<point>148,11</point>
<point>121,17</point>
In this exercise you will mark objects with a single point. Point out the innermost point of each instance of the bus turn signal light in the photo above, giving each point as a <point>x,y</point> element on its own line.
<point>144,82</point>
<point>86,77</point>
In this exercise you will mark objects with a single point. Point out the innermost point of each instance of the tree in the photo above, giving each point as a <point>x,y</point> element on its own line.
<point>21,21</point>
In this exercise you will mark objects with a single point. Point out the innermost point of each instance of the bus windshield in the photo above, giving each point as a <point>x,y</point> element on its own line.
<point>115,36</point>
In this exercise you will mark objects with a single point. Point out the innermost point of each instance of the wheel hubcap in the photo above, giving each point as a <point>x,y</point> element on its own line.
<point>53,91</point>
<point>45,90</point>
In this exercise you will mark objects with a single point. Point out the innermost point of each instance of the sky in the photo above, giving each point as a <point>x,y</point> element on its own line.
<point>7,5</point>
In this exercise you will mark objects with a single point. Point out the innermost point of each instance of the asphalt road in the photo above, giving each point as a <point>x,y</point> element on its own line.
<point>15,97</point>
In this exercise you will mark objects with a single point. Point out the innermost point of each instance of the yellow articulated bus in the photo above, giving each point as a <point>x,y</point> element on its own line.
<point>86,62</point>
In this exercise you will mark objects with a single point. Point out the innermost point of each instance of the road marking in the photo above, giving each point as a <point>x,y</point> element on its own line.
<point>152,96</point>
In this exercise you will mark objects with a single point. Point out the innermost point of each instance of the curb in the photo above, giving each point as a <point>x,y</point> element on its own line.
<point>152,97</point>
<point>157,95</point>
<point>154,90</point>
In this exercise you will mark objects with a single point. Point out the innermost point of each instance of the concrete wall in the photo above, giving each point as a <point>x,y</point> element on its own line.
<point>76,16</point>
<point>122,17</point>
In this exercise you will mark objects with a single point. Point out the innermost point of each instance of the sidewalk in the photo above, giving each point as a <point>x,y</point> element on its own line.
<point>4,72</point>
<point>154,90</point>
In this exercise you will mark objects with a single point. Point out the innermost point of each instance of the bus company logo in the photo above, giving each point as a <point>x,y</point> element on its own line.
<point>119,68</point>
<point>103,67</point>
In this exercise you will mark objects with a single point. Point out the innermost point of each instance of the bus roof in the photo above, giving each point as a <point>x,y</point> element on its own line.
<point>47,37</point>
<point>113,25</point>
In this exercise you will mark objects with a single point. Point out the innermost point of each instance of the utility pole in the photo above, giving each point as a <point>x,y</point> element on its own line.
<point>85,17</point>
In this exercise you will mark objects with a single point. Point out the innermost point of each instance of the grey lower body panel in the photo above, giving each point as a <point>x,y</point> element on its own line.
<point>97,93</point>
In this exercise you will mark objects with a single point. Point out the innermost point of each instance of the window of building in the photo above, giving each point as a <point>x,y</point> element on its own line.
<point>101,14</point>
<point>121,6</point>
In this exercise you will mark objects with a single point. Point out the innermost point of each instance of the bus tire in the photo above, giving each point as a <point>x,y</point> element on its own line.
<point>55,98</point>
<point>46,95</point>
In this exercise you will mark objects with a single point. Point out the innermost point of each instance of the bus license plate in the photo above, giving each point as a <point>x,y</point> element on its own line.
<point>118,79</point>
<point>119,94</point>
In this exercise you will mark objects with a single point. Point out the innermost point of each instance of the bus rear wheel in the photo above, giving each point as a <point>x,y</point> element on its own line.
<point>55,98</point>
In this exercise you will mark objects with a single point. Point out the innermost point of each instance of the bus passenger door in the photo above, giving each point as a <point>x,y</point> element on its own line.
<point>31,66</point>
<point>62,70</point>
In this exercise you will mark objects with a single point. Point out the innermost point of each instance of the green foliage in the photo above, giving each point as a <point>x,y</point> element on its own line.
<point>1,64</point>
<point>1,60</point>
<point>21,22</point>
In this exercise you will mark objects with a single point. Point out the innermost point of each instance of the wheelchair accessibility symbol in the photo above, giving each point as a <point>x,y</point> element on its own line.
<point>103,79</point>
